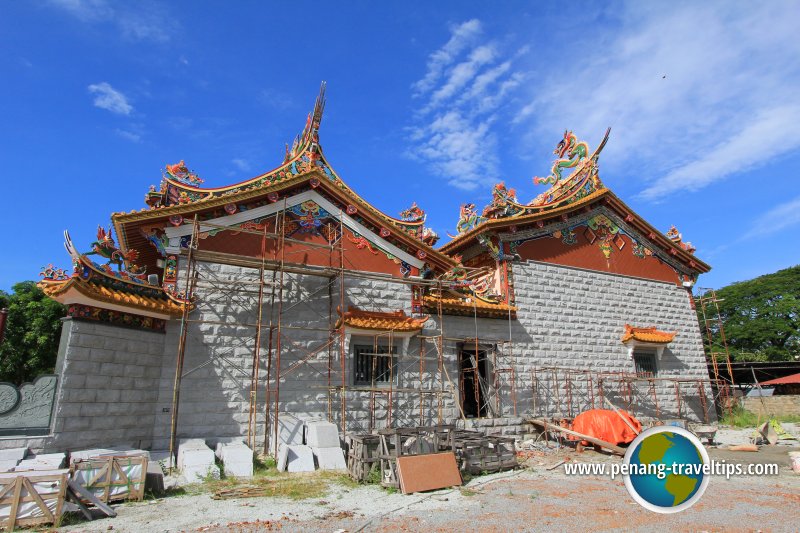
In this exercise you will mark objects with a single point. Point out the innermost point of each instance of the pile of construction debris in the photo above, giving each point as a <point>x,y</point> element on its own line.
<point>430,452</point>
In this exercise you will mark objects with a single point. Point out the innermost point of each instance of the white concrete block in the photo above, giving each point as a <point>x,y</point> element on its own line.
<point>13,454</point>
<point>283,457</point>
<point>322,435</point>
<point>241,470</point>
<point>237,459</point>
<point>45,461</point>
<point>227,442</point>
<point>8,466</point>
<point>196,460</point>
<point>163,458</point>
<point>236,454</point>
<point>195,457</point>
<point>196,474</point>
<point>290,430</point>
<point>299,458</point>
<point>82,455</point>
<point>330,458</point>
<point>192,443</point>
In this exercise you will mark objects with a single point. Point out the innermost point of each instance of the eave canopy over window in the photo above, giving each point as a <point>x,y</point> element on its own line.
<point>650,337</point>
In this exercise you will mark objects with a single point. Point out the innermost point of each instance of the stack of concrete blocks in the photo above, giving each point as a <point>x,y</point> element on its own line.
<point>196,460</point>
<point>44,461</point>
<point>293,455</point>
<point>237,459</point>
<point>323,439</point>
<point>99,453</point>
<point>9,459</point>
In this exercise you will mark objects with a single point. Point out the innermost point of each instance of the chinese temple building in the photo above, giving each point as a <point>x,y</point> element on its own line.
<point>231,312</point>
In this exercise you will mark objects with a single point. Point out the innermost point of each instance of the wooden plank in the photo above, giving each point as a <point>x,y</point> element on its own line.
<point>38,500</point>
<point>548,427</point>
<point>81,491</point>
<point>419,473</point>
<point>12,515</point>
<point>77,500</point>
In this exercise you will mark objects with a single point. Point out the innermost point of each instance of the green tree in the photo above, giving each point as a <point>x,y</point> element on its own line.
<point>33,329</point>
<point>761,317</point>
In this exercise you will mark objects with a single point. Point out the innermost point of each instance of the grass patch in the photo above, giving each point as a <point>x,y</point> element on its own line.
<point>740,418</point>
<point>294,486</point>
<point>467,492</point>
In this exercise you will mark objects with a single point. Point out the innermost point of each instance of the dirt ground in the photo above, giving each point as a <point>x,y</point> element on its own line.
<point>529,499</point>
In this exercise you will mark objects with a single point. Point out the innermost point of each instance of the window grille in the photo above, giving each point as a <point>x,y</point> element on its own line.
<point>370,363</point>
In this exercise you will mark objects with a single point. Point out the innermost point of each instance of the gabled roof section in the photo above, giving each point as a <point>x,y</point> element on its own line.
<point>582,190</point>
<point>180,195</point>
<point>89,283</point>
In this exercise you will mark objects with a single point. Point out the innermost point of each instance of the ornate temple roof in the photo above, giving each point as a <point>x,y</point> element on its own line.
<point>581,190</point>
<point>650,335</point>
<point>384,321</point>
<point>125,286</point>
<point>180,194</point>
<point>88,285</point>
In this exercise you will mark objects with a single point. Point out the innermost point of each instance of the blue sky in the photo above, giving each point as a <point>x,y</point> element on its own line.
<point>427,101</point>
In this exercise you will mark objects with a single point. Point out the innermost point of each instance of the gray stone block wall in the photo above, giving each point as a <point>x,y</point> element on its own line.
<point>117,384</point>
<point>107,387</point>
<point>575,318</point>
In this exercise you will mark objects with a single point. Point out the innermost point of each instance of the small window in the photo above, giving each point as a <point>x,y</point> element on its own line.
<point>645,363</point>
<point>374,366</point>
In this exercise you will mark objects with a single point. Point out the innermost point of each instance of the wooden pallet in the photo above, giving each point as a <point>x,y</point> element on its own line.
<point>363,454</point>
<point>494,454</point>
<point>111,479</point>
<point>32,500</point>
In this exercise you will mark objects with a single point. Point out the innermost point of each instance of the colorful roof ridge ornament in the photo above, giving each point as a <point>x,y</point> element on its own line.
<point>413,220</point>
<point>676,237</point>
<point>51,273</point>
<point>582,182</point>
<point>504,202</point>
<point>179,172</point>
<point>575,152</point>
<point>468,219</point>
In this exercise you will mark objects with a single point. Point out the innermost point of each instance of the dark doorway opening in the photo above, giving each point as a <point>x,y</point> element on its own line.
<point>472,382</point>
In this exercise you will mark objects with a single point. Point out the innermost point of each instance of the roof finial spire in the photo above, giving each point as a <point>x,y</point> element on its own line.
<point>319,107</point>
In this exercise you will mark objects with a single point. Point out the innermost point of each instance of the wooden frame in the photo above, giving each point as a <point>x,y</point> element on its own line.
<point>11,493</point>
<point>110,474</point>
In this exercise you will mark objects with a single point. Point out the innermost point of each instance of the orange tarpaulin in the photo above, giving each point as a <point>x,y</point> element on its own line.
<point>606,425</point>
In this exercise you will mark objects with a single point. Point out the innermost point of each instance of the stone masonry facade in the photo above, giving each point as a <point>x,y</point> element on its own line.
<point>116,384</point>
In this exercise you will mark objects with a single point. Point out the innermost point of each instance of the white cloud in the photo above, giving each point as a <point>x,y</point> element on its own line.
<point>459,149</point>
<point>276,99</point>
<point>143,21</point>
<point>754,144</point>
<point>129,135</point>
<point>461,36</point>
<point>776,219</point>
<point>106,97</point>
<point>86,10</point>
<point>464,86</point>
<point>241,164</point>
<point>727,103</point>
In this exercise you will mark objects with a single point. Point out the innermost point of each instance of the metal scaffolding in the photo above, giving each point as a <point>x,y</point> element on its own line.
<point>716,345</point>
<point>565,392</point>
<point>272,336</point>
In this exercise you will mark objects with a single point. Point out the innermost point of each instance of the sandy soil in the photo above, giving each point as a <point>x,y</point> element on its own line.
<point>530,499</point>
